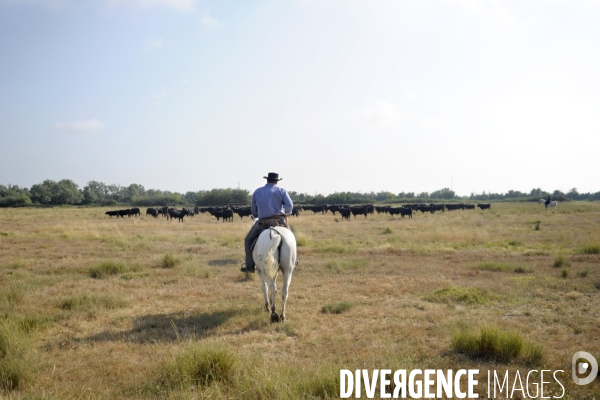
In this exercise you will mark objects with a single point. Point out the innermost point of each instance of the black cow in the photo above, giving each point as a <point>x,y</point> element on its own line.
<point>333,209</point>
<point>295,211</point>
<point>123,213</point>
<point>243,212</point>
<point>405,211</point>
<point>394,211</point>
<point>359,210</point>
<point>227,215</point>
<point>484,206</point>
<point>152,211</point>
<point>382,209</point>
<point>345,213</point>
<point>173,213</point>
<point>437,207</point>
<point>321,209</point>
<point>112,213</point>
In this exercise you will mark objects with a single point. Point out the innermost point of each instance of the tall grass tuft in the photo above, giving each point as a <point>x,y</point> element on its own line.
<point>195,366</point>
<point>320,386</point>
<point>388,231</point>
<point>493,266</point>
<point>169,261</point>
<point>537,225</point>
<point>88,302</point>
<point>564,273</point>
<point>559,262</point>
<point>336,308</point>
<point>13,295</point>
<point>591,249</point>
<point>495,344</point>
<point>106,269</point>
<point>300,240</point>
<point>16,364</point>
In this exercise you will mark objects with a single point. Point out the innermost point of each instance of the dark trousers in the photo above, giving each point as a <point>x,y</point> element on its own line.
<point>256,230</point>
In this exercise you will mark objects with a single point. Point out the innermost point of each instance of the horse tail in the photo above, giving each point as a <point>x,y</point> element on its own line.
<point>271,264</point>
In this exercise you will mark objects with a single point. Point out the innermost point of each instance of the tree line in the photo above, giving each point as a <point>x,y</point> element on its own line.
<point>67,192</point>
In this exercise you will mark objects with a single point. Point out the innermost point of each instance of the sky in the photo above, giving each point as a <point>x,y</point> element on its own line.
<point>361,96</point>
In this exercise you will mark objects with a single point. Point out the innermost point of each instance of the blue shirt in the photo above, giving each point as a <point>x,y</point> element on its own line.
<point>271,200</point>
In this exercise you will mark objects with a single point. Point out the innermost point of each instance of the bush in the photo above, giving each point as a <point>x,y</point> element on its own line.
<point>17,200</point>
<point>388,230</point>
<point>107,268</point>
<point>195,366</point>
<point>336,308</point>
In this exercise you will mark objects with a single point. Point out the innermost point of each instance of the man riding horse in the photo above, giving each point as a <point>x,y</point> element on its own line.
<point>271,205</point>
<point>547,201</point>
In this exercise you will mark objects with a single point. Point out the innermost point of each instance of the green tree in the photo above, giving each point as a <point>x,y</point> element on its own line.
<point>95,193</point>
<point>54,193</point>
<point>41,193</point>
<point>444,193</point>
<point>131,191</point>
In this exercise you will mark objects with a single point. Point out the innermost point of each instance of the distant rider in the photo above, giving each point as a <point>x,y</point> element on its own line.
<point>547,201</point>
<point>271,205</point>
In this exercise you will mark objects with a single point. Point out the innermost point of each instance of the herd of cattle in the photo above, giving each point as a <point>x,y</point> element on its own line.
<point>226,213</point>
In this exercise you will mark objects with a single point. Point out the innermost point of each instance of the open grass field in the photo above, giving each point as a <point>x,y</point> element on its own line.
<point>101,308</point>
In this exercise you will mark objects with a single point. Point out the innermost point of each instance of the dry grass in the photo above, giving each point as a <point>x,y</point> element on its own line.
<point>103,308</point>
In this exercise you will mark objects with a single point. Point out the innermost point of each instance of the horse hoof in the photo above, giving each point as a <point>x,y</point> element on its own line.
<point>274,317</point>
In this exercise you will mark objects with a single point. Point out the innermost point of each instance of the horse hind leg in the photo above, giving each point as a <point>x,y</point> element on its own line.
<point>287,279</point>
<point>272,295</point>
<point>265,288</point>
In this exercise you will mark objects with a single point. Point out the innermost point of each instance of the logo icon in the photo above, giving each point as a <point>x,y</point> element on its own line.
<point>579,367</point>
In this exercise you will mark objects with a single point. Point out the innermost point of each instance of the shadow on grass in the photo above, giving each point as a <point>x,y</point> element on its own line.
<point>224,262</point>
<point>168,328</point>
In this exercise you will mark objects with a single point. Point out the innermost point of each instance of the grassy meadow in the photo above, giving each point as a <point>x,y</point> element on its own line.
<point>102,308</point>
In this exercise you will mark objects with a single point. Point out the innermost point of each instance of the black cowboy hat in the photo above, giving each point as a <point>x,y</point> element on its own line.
<point>272,176</point>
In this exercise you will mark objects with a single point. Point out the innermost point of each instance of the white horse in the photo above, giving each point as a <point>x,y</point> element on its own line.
<point>552,203</point>
<point>275,250</point>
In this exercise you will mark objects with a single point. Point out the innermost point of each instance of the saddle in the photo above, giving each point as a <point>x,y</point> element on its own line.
<point>265,224</point>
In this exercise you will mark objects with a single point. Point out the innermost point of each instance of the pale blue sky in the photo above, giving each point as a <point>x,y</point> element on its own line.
<point>185,95</point>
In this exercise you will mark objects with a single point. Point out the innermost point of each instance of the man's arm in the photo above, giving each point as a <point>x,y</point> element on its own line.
<point>254,208</point>
<point>287,203</point>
